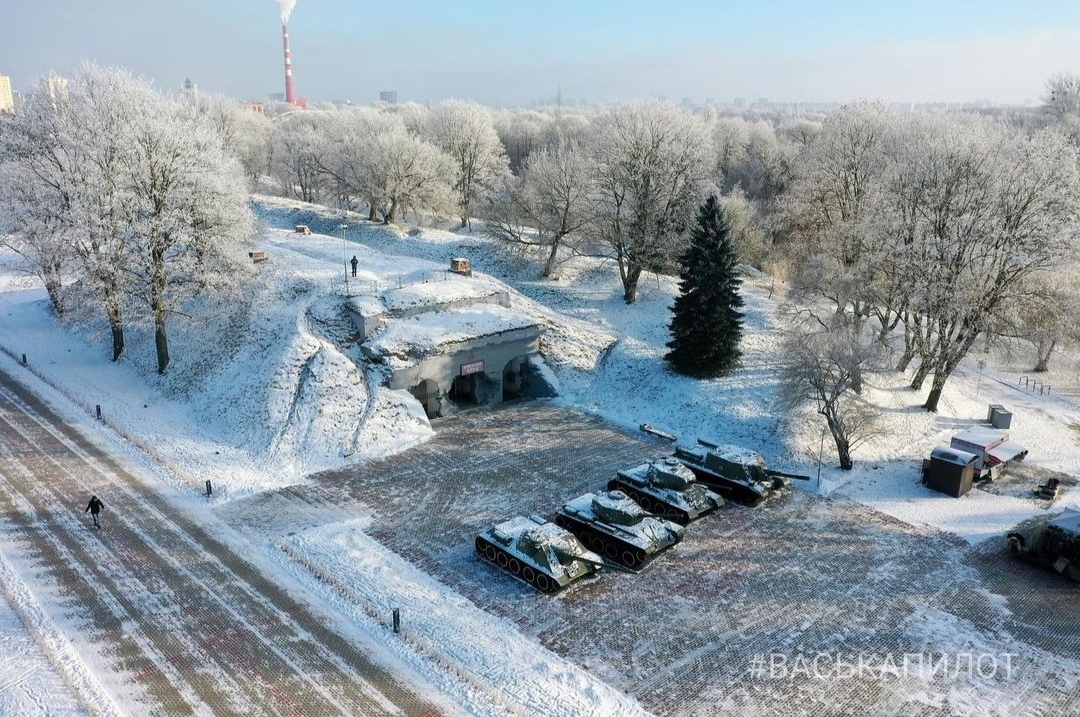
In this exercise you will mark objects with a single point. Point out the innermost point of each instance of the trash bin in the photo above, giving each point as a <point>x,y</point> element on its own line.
<point>999,417</point>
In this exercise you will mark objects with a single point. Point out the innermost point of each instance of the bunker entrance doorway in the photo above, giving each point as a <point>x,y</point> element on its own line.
<point>523,378</point>
<point>513,381</point>
<point>427,393</point>
<point>475,388</point>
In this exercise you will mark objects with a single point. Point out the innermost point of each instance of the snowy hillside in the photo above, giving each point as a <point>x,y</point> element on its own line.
<point>266,390</point>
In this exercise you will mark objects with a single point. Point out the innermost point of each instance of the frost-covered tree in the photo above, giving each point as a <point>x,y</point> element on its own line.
<point>823,367</point>
<point>521,133</point>
<point>1062,95</point>
<point>71,150</point>
<point>31,227</point>
<point>345,152</point>
<point>1062,102</point>
<point>407,173</point>
<point>706,324</point>
<point>186,208</point>
<point>553,199</point>
<point>994,208</point>
<point>415,116</point>
<point>296,145</point>
<point>747,233</point>
<point>138,189</point>
<point>651,167</point>
<point>1046,314</point>
<point>840,176</point>
<point>465,131</point>
<point>251,144</point>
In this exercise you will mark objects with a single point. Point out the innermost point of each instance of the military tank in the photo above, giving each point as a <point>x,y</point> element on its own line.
<point>735,473</point>
<point>539,552</point>
<point>667,488</point>
<point>1051,543</point>
<point>613,525</point>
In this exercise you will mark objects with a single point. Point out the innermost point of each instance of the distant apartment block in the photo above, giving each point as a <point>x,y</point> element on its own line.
<point>55,86</point>
<point>7,100</point>
<point>389,96</point>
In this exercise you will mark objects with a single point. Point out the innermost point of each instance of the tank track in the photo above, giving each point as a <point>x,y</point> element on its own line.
<point>516,567</point>
<point>600,542</point>
<point>650,503</point>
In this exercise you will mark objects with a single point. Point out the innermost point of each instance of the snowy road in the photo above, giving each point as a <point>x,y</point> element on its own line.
<point>166,619</point>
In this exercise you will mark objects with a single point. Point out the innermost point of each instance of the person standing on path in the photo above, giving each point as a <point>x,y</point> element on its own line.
<point>93,508</point>
<point>354,262</point>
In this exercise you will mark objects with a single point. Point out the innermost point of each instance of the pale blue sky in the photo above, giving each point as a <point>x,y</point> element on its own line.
<point>511,53</point>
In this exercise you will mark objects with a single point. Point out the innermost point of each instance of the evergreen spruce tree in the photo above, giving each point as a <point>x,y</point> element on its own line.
<point>706,324</point>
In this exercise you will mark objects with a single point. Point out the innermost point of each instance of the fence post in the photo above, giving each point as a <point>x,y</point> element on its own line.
<point>24,359</point>
<point>209,489</point>
<point>397,620</point>
<point>98,410</point>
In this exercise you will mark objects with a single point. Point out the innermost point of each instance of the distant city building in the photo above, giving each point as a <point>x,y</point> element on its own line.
<point>55,86</point>
<point>740,102</point>
<point>277,97</point>
<point>189,91</point>
<point>7,100</point>
<point>389,96</point>
<point>253,106</point>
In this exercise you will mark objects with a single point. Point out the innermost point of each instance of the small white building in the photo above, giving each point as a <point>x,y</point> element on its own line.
<point>452,338</point>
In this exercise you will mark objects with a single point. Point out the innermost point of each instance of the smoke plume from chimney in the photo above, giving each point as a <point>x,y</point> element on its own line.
<point>286,9</point>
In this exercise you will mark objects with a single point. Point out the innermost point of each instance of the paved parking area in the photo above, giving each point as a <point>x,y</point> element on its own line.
<point>722,623</point>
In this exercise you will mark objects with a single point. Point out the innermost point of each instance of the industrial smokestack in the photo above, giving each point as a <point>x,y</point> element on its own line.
<point>290,93</point>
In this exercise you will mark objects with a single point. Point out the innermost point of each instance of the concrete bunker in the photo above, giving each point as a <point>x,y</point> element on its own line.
<point>453,341</point>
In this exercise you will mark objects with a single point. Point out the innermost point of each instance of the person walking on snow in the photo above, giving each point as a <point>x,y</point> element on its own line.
<point>354,262</point>
<point>93,508</point>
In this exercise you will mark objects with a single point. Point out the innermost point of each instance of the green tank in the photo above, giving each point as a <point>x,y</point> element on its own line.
<point>667,488</point>
<point>538,552</point>
<point>1051,543</point>
<point>613,525</point>
<point>736,473</point>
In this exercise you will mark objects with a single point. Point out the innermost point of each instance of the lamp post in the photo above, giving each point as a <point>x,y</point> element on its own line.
<point>345,256</point>
<point>821,450</point>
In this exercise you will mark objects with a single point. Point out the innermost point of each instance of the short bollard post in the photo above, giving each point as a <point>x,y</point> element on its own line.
<point>209,488</point>
<point>98,408</point>
<point>24,359</point>
<point>397,620</point>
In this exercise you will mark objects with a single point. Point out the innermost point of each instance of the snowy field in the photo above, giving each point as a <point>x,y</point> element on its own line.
<point>261,396</point>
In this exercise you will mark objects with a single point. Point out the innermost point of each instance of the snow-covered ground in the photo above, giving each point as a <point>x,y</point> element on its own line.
<point>270,389</point>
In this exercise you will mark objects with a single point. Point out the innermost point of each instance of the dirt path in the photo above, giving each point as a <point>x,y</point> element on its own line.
<point>177,622</point>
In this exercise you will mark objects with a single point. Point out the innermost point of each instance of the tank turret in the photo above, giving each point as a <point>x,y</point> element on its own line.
<point>668,489</point>
<point>538,552</point>
<point>736,473</point>
<point>613,525</point>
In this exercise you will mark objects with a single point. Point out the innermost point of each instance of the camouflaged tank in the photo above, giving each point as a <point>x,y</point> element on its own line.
<point>613,525</point>
<point>1053,543</point>
<point>736,473</point>
<point>667,488</point>
<point>541,553</point>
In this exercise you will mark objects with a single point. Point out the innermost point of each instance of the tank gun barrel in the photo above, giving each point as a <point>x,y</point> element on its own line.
<point>782,474</point>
